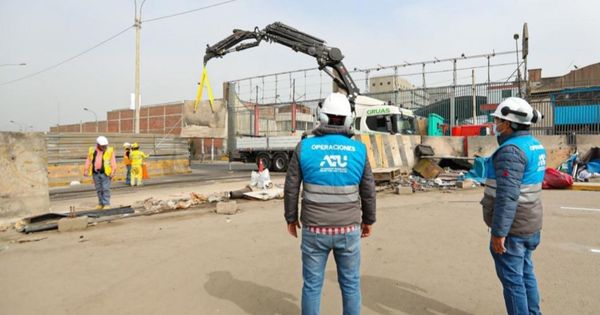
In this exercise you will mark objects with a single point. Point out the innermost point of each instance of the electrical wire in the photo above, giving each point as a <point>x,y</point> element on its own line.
<point>68,59</point>
<point>188,11</point>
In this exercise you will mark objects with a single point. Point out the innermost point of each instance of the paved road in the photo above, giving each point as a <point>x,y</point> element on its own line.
<point>201,173</point>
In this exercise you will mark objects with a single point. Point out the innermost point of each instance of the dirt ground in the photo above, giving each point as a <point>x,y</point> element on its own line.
<point>428,255</point>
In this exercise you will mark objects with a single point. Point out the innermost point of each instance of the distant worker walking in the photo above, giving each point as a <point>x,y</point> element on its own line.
<point>137,160</point>
<point>100,164</point>
<point>127,162</point>
<point>511,203</point>
<point>338,204</point>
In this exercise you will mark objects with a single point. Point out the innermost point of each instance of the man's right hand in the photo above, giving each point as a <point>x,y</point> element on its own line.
<point>291,227</point>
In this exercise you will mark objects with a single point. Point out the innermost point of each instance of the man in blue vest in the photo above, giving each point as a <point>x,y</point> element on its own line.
<point>338,204</point>
<point>511,204</point>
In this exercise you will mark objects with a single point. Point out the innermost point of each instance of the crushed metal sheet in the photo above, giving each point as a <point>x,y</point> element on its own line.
<point>268,194</point>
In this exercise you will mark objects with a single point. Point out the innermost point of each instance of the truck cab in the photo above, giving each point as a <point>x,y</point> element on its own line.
<point>375,116</point>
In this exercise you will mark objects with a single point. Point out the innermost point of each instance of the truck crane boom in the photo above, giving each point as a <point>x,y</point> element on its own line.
<point>296,40</point>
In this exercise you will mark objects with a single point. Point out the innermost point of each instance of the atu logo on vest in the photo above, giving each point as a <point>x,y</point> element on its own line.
<point>334,160</point>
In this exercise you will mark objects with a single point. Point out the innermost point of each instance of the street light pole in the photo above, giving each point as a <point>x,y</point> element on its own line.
<point>138,29</point>
<point>95,116</point>
<point>18,124</point>
<point>516,37</point>
<point>13,64</point>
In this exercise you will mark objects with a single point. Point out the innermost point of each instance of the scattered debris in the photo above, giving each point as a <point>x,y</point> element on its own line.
<point>267,194</point>
<point>152,205</point>
<point>72,224</point>
<point>427,168</point>
<point>31,239</point>
<point>228,207</point>
<point>261,179</point>
<point>49,221</point>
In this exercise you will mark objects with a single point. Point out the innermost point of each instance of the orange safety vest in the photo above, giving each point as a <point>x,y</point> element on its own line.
<point>126,159</point>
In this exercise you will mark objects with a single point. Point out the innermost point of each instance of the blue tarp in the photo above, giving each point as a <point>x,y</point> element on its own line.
<point>593,166</point>
<point>478,172</point>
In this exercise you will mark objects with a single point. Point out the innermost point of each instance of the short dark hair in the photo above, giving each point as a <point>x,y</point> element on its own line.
<point>336,120</point>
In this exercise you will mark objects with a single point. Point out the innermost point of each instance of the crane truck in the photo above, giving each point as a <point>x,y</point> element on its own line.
<point>371,116</point>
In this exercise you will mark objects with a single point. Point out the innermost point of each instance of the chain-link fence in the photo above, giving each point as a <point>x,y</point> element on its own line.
<point>285,103</point>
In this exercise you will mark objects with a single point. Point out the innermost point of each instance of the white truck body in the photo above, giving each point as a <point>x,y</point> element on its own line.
<point>372,116</point>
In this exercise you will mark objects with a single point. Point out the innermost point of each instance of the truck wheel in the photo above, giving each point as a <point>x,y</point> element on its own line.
<point>266,159</point>
<point>280,162</point>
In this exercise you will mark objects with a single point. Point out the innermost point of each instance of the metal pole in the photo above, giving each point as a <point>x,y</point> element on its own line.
<point>95,116</point>
<point>424,85</point>
<point>453,96</point>
<point>516,37</point>
<point>138,26</point>
<point>256,115</point>
<point>473,91</point>
<point>488,68</point>
<point>138,30</point>
<point>395,86</point>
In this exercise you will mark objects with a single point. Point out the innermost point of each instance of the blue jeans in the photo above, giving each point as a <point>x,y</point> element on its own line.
<point>346,252</point>
<point>128,176</point>
<point>102,183</point>
<point>515,270</point>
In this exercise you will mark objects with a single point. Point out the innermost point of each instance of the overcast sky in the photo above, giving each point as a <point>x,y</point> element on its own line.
<point>42,33</point>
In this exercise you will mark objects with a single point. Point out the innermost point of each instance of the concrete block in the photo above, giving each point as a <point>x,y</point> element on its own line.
<point>72,224</point>
<point>403,190</point>
<point>466,184</point>
<point>229,207</point>
<point>24,169</point>
<point>428,168</point>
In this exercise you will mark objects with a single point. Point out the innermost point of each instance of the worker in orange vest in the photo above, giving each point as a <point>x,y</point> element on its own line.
<point>127,162</point>
<point>137,159</point>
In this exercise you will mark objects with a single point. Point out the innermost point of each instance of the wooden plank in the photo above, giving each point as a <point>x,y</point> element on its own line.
<point>585,186</point>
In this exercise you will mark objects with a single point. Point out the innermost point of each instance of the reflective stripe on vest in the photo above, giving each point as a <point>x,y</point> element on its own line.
<point>332,168</point>
<point>106,157</point>
<point>533,176</point>
<point>330,194</point>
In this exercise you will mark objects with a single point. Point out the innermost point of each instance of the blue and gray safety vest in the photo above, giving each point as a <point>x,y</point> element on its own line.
<point>528,217</point>
<point>332,167</point>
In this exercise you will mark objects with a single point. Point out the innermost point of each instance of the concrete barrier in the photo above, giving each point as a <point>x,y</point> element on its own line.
<point>446,146</point>
<point>386,151</point>
<point>586,142</point>
<point>24,183</point>
<point>481,145</point>
<point>557,149</point>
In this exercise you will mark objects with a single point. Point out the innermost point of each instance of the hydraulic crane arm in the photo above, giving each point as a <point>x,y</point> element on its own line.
<point>298,41</point>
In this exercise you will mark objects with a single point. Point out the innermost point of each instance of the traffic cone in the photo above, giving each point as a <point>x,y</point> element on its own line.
<point>261,167</point>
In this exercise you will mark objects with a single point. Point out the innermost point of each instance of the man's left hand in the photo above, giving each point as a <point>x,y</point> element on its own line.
<point>365,230</point>
<point>498,244</point>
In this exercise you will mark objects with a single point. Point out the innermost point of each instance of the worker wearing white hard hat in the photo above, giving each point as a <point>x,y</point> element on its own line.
<point>338,203</point>
<point>101,165</point>
<point>512,208</point>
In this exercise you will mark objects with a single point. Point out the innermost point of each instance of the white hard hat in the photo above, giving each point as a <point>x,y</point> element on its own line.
<point>126,145</point>
<point>101,140</point>
<point>517,110</point>
<point>336,104</point>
